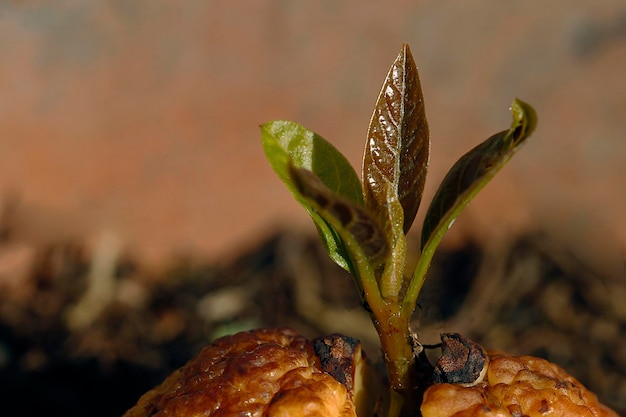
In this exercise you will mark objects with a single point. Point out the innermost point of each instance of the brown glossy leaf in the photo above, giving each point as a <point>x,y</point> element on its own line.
<point>398,146</point>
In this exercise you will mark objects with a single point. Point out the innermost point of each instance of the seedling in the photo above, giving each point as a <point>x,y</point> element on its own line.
<point>363,223</point>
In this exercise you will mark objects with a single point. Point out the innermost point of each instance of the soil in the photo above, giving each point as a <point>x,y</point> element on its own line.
<point>527,296</point>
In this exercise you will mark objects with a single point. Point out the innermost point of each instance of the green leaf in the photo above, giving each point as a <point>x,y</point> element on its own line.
<point>364,239</point>
<point>464,180</point>
<point>285,141</point>
<point>474,170</point>
<point>398,146</point>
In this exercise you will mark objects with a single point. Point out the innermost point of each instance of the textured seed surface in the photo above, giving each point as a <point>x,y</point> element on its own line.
<point>261,373</point>
<point>515,386</point>
<point>276,372</point>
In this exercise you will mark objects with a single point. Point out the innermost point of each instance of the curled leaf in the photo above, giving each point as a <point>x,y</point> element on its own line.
<point>353,223</point>
<point>398,146</point>
<point>365,244</point>
<point>474,170</point>
<point>464,180</point>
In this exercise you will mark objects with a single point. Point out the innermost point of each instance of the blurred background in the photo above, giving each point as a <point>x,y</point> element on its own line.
<point>140,219</point>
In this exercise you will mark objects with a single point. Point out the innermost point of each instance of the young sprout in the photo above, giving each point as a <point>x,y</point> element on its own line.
<point>363,223</point>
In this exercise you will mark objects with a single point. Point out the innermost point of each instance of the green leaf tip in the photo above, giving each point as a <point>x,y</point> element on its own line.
<point>284,140</point>
<point>525,116</point>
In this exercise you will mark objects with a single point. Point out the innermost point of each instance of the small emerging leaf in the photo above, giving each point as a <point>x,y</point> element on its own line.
<point>285,141</point>
<point>398,146</point>
<point>363,237</point>
<point>345,216</point>
<point>392,278</point>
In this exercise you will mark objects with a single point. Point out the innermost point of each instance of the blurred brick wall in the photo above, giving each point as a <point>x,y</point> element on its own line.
<point>141,118</point>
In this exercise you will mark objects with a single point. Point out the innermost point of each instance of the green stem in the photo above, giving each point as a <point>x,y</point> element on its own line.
<point>397,345</point>
<point>392,319</point>
<point>419,275</point>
